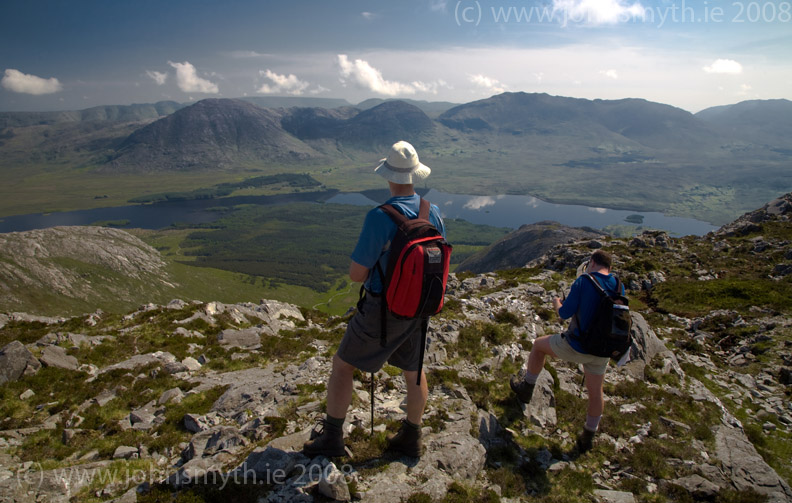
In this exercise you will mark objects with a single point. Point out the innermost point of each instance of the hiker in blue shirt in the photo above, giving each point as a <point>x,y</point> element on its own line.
<point>361,346</point>
<point>582,301</point>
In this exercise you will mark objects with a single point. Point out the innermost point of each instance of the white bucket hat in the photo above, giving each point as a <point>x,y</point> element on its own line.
<point>402,165</point>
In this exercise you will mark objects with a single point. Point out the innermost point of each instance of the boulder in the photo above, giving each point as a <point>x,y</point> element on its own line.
<point>174,395</point>
<point>698,487</point>
<point>55,356</point>
<point>645,346</point>
<point>249,338</point>
<point>16,361</point>
<point>125,452</point>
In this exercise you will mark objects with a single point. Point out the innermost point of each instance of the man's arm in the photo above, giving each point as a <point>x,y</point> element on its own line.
<point>357,272</point>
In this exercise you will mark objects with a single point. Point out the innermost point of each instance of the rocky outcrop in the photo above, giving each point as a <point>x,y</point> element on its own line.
<point>85,264</point>
<point>527,243</point>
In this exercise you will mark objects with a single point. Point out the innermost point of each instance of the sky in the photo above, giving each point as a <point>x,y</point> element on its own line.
<point>692,54</point>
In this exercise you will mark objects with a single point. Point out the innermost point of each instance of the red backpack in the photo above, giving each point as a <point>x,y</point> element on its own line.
<point>414,283</point>
<point>415,280</point>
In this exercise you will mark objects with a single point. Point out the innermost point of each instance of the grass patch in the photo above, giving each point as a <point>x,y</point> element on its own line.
<point>696,298</point>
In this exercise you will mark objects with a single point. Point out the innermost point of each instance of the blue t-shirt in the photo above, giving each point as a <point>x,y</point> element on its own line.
<point>378,230</point>
<point>583,299</point>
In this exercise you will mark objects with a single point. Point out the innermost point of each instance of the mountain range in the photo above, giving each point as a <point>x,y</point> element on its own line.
<point>645,155</point>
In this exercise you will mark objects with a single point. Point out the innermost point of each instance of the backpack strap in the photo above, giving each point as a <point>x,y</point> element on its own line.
<point>601,289</point>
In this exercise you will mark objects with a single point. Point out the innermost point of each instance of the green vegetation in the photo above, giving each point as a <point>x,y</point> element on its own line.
<point>292,181</point>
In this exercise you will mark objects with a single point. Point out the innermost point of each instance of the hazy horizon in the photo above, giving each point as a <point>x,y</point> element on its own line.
<point>59,55</point>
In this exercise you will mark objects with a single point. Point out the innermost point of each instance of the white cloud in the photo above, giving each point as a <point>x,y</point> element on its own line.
<point>611,74</point>
<point>368,16</point>
<point>188,80</point>
<point>478,202</point>
<point>727,66</point>
<point>19,82</point>
<point>490,84</point>
<point>319,89</point>
<point>247,54</point>
<point>158,77</point>
<point>598,11</point>
<point>438,5</point>
<point>362,74</point>
<point>288,84</point>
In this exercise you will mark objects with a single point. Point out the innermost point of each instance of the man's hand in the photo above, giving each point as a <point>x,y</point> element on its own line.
<point>556,304</point>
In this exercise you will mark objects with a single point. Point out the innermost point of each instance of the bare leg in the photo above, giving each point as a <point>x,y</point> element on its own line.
<point>596,400</point>
<point>416,395</point>
<point>540,349</point>
<point>339,388</point>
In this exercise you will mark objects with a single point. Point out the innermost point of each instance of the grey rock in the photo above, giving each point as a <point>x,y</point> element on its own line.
<point>191,364</point>
<point>16,361</point>
<point>333,484</point>
<point>174,395</point>
<point>698,487</point>
<point>173,368</point>
<point>197,424</point>
<point>249,338</point>
<point>55,356</point>
<point>29,393</point>
<point>607,496</point>
<point>125,452</point>
<point>645,346</point>
<point>205,471</point>
<point>161,357</point>
<point>745,469</point>
<point>269,465</point>
<point>104,397</point>
<point>143,417</point>
<point>541,410</point>
<point>209,442</point>
<point>782,270</point>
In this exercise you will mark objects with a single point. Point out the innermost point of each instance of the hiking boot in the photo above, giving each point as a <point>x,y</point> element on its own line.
<point>326,440</point>
<point>407,441</point>
<point>522,389</point>
<point>585,441</point>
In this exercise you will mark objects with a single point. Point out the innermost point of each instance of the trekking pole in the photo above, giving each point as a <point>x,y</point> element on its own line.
<point>372,404</point>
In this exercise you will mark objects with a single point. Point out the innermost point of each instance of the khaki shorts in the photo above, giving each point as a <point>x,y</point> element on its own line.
<point>361,347</point>
<point>591,364</point>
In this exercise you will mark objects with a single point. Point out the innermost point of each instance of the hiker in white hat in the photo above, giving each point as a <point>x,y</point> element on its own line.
<point>361,348</point>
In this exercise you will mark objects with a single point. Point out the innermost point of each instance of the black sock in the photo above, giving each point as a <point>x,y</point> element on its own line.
<point>411,425</point>
<point>334,421</point>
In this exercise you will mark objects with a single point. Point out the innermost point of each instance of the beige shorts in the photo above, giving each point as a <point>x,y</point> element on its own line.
<point>591,364</point>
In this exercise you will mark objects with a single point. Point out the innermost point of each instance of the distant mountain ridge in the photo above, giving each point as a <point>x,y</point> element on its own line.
<point>115,113</point>
<point>765,121</point>
<point>651,124</point>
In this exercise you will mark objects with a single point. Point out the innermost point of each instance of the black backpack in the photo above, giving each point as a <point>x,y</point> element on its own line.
<point>608,333</point>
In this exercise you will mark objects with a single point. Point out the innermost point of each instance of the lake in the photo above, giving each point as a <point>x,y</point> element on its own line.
<point>501,211</point>
<point>514,211</point>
